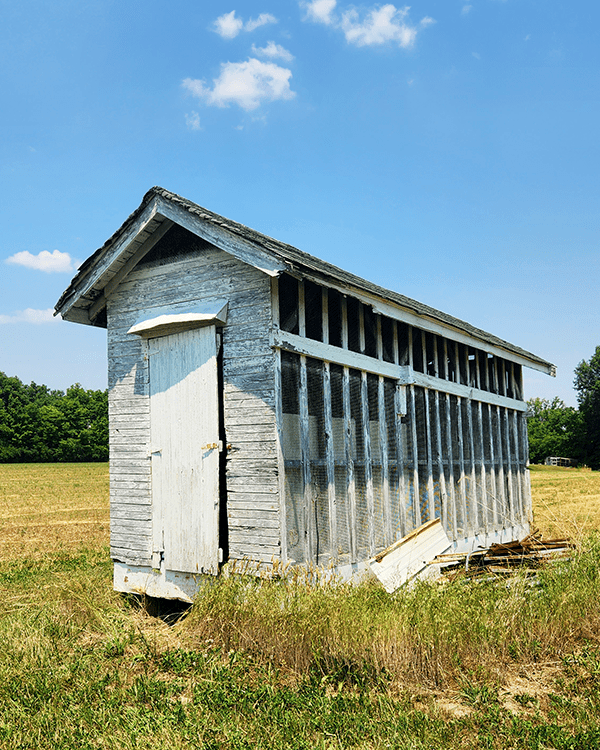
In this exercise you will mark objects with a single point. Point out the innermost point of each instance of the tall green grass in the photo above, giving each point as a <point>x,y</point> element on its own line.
<point>424,635</point>
<point>285,664</point>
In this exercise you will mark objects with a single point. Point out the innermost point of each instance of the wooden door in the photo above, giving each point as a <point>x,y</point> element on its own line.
<point>184,418</point>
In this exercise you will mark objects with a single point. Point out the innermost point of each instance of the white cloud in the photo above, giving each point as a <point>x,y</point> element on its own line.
<point>229,25</point>
<point>381,25</point>
<point>476,55</point>
<point>273,51</point>
<point>378,25</point>
<point>50,262</point>
<point>193,121</point>
<point>247,84</point>
<point>320,11</point>
<point>262,20</point>
<point>30,316</point>
<point>466,9</point>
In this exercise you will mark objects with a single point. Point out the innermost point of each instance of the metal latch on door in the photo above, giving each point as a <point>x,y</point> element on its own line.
<point>213,446</point>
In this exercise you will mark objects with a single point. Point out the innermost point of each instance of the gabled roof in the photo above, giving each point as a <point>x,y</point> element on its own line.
<point>84,301</point>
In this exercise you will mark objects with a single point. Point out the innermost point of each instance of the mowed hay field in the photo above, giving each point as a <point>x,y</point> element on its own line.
<point>49,507</point>
<point>45,508</point>
<point>566,502</point>
<point>470,664</point>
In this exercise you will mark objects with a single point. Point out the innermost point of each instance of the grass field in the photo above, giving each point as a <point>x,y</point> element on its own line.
<point>470,664</point>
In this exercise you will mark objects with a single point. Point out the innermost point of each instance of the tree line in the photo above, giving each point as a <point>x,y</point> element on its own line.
<point>41,425</point>
<point>559,430</point>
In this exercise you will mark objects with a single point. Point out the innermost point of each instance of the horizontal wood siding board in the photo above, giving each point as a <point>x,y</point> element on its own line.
<point>130,557</point>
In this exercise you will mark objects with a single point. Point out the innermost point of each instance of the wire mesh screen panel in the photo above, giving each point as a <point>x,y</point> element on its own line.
<point>393,427</point>
<point>437,483</point>
<point>319,511</point>
<point>492,510</point>
<point>292,456</point>
<point>378,446</point>
<point>342,516</point>
<point>425,499</point>
<point>409,435</point>
<point>361,529</point>
<point>480,489</point>
<point>447,458</point>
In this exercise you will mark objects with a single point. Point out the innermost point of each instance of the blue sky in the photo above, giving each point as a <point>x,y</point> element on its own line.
<point>448,151</point>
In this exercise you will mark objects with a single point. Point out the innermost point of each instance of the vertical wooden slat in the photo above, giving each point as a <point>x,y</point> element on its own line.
<point>364,397</point>
<point>526,477</point>
<point>440,460</point>
<point>415,457</point>
<point>504,517</point>
<point>351,486</point>
<point>474,493</point>
<point>361,328</point>
<point>395,342</point>
<point>448,428</point>
<point>383,443</point>
<point>461,463</point>
<point>493,480</point>
<point>509,470</point>
<point>325,309</point>
<point>456,363</point>
<point>427,427</point>
<point>484,499</point>
<point>400,410</point>
<point>351,515</point>
<point>279,420</point>
<point>518,467</point>
<point>309,545</point>
<point>330,457</point>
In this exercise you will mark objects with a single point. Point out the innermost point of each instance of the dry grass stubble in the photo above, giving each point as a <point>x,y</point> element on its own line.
<point>46,508</point>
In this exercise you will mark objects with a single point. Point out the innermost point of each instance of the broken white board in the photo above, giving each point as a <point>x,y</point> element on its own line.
<point>410,555</point>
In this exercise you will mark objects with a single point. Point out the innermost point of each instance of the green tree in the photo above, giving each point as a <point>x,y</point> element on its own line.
<point>587,385</point>
<point>554,429</point>
<point>37,424</point>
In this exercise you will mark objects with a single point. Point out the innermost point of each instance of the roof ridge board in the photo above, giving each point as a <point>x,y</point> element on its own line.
<point>291,254</point>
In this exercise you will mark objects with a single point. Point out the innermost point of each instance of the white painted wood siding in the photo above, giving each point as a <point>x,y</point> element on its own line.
<point>205,274</point>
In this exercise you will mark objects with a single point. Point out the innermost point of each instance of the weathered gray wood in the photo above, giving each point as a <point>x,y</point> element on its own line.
<point>450,458</point>
<point>364,397</point>
<point>330,452</point>
<point>509,469</point>
<point>505,516</point>
<point>466,524</point>
<point>439,459</point>
<point>429,447</point>
<point>383,443</point>
<point>237,246</point>
<point>474,493</point>
<point>248,523</point>
<point>415,459</point>
<point>129,265</point>
<point>485,500</point>
<point>258,512</point>
<point>341,356</point>
<point>309,541</point>
<point>401,460</point>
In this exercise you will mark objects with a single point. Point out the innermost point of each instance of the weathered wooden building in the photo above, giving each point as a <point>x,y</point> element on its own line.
<point>266,405</point>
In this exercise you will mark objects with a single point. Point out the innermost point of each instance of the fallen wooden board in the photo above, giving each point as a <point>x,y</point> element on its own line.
<point>410,555</point>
